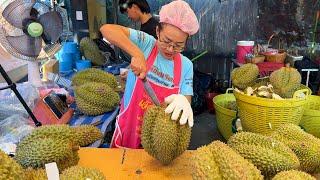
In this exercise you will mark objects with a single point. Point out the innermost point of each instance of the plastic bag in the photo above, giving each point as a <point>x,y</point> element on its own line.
<point>14,128</point>
<point>10,104</point>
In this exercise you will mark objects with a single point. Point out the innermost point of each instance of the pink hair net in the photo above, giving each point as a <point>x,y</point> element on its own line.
<point>178,13</point>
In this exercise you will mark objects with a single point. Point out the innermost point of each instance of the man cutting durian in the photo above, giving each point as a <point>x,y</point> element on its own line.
<point>169,73</point>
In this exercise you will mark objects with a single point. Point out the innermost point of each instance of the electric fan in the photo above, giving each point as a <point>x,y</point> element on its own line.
<point>30,31</point>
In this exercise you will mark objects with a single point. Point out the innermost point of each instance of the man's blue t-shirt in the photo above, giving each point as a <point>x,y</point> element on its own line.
<point>161,72</point>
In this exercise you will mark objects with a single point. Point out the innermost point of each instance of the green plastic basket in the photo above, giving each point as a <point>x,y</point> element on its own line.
<point>224,116</point>
<point>311,117</point>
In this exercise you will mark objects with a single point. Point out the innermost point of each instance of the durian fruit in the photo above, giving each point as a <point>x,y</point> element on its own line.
<point>61,132</point>
<point>82,135</point>
<point>86,134</point>
<point>304,145</point>
<point>9,168</point>
<point>285,81</point>
<point>163,138</point>
<point>38,152</point>
<point>35,174</point>
<point>94,75</point>
<point>244,76</point>
<point>268,155</point>
<point>218,161</point>
<point>91,51</point>
<point>82,173</point>
<point>95,98</point>
<point>293,175</point>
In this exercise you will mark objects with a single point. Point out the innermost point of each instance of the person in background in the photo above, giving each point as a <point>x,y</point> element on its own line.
<point>139,11</point>
<point>160,62</point>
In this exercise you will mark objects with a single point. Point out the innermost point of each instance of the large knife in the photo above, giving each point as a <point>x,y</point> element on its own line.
<point>150,92</point>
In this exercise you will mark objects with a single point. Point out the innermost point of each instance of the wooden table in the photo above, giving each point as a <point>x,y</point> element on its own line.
<point>137,164</point>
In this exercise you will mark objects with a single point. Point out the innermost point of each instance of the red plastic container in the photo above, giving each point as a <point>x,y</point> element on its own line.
<point>243,48</point>
<point>209,101</point>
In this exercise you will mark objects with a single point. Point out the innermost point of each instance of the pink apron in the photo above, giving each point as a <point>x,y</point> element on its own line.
<point>129,121</point>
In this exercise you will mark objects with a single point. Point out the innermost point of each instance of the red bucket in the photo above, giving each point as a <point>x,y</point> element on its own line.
<point>243,48</point>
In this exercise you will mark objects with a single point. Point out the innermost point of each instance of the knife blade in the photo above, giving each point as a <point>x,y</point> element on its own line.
<point>150,92</point>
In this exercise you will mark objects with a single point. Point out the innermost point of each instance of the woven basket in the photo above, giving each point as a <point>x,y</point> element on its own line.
<point>224,116</point>
<point>311,117</point>
<point>262,115</point>
<point>277,58</point>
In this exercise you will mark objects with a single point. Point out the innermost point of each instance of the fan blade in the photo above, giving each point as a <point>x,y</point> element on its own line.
<point>52,25</point>
<point>17,11</point>
<point>26,45</point>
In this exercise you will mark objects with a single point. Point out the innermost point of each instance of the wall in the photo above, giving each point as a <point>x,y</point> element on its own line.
<point>80,28</point>
<point>96,16</point>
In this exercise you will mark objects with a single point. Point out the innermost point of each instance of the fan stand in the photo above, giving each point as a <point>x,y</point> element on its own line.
<point>13,87</point>
<point>34,74</point>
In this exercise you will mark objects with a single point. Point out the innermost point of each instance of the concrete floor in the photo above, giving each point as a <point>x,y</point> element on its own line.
<point>204,130</point>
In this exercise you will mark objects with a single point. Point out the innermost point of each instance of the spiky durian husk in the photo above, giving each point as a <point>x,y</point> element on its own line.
<point>82,135</point>
<point>293,175</point>
<point>9,168</point>
<point>267,154</point>
<point>96,98</point>
<point>163,138</point>
<point>82,173</point>
<point>91,51</point>
<point>244,76</point>
<point>94,75</point>
<point>218,161</point>
<point>304,145</point>
<point>62,132</point>
<point>35,174</point>
<point>87,134</point>
<point>38,152</point>
<point>146,131</point>
<point>285,81</point>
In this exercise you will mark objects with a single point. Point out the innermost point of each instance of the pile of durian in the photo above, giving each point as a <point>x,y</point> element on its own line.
<point>288,153</point>
<point>96,91</point>
<point>281,84</point>
<point>47,144</point>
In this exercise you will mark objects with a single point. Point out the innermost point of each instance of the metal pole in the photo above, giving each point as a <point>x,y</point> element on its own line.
<point>13,87</point>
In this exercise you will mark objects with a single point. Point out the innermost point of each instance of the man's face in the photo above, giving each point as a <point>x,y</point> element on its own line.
<point>133,12</point>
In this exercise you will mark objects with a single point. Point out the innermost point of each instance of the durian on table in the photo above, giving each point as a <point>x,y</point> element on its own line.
<point>163,138</point>
<point>269,155</point>
<point>96,91</point>
<point>218,161</point>
<point>304,145</point>
<point>9,168</point>
<point>293,175</point>
<point>96,98</point>
<point>55,143</point>
<point>82,173</point>
<point>94,75</point>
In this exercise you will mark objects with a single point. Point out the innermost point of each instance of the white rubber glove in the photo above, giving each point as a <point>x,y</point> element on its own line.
<point>178,103</point>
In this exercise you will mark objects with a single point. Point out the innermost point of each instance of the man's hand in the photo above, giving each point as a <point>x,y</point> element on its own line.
<point>139,66</point>
<point>178,103</point>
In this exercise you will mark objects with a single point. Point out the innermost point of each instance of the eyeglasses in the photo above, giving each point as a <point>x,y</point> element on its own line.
<point>168,44</point>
